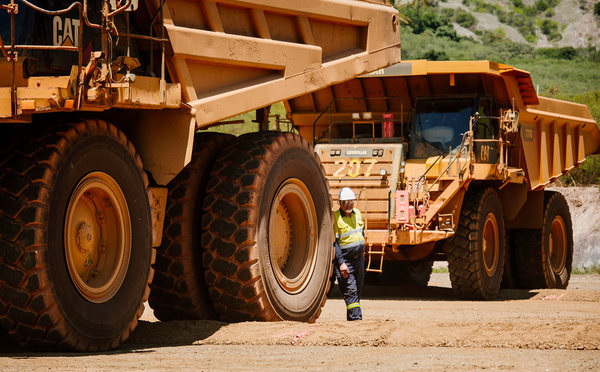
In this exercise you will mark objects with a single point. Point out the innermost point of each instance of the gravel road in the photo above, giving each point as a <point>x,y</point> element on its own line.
<point>404,329</point>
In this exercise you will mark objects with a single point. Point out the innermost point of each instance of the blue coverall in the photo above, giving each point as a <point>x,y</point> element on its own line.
<point>349,248</point>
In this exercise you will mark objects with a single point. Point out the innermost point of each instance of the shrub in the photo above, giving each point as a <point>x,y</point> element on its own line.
<point>464,18</point>
<point>529,11</point>
<point>547,26</point>
<point>448,13</point>
<point>492,37</point>
<point>587,174</point>
<point>541,5</point>
<point>558,53</point>
<point>597,8</point>
<point>554,36</point>
<point>446,31</point>
<point>435,55</point>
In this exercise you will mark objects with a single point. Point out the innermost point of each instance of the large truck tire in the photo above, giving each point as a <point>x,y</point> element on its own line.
<point>509,277</point>
<point>545,256</point>
<point>179,290</point>
<point>268,239</point>
<point>76,239</point>
<point>410,273</point>
<point>476,251</point>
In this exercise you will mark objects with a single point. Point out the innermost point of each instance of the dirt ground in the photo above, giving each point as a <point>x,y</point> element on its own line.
<point>404,329</point>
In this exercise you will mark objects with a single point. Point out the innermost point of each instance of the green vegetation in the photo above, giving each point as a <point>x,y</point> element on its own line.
<point>440,270</point>
<point>516,14</point>
<point>594,269</point>
<point>550,29</point>
<point>464,18</point>
<point>249,125</point>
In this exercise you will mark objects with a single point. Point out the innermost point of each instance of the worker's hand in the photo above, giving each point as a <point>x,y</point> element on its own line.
<point>344,270</point>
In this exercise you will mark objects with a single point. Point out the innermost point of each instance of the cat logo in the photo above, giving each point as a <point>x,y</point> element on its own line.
<point>485,153</point>
<point>65,32</point>
<point>114,4</point>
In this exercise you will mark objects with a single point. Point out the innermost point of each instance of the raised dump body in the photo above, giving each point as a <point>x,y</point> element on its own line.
<point>100,103</point>
<point>451,159</point>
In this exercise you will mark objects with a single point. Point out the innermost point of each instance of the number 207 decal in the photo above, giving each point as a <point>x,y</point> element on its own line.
<point>354,167</point>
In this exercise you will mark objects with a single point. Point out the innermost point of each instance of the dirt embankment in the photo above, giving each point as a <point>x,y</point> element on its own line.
<point>584,204</point>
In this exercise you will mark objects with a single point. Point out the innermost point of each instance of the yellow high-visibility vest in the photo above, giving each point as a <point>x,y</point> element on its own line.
<point>348,230</point>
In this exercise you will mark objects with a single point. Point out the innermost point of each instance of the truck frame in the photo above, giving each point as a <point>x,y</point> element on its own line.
<point>450,160</point>
<point>111,194</point>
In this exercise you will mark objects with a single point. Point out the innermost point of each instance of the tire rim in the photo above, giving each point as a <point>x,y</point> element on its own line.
<point>491,244</point>
<point>558,245</point>
<point>292,236</point>
<point>97,237</point>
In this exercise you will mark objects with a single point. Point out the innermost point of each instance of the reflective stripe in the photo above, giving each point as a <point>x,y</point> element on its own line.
<point>348,230</point>
<point>352,305</point>
<point>353,245</point>
<point>359,230</point>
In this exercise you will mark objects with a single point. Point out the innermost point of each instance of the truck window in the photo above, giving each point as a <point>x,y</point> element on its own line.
<point>437,124</point>
<point>486,128</point>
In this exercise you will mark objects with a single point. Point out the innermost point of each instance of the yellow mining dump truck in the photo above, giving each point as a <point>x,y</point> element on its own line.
<point>99,105</point>
<point>450,161</point>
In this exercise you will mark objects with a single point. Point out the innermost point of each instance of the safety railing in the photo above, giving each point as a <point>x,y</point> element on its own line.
<point>331,109</point>
<point>107,26</point>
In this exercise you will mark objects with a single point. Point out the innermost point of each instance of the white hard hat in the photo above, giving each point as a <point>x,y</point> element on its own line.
<point>347,194</point>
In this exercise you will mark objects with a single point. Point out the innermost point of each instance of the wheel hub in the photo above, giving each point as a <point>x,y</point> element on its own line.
<point>491,245</point>
<point>282,236</point>
<point>292,238</point>
<point>97,237</point>
<point>558,245</point>
<point>85,237</point>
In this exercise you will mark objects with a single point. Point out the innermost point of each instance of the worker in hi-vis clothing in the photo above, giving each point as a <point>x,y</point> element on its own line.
<point>349,252</point>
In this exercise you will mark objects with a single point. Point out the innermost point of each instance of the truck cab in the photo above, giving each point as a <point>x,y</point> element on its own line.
<point>440,122</point>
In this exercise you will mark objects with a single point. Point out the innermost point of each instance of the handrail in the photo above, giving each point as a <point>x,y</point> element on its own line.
<point>82,16</point>
<point>452,160</point>
<point>328,109</point>
<point>366,214</point>
<point>46,47</point>
<point>460,150</point>
<point>441,155</point>
<point>119,10</point>
<point>108,26</point>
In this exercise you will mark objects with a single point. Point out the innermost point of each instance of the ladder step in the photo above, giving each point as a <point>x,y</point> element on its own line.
<point>372,252</point>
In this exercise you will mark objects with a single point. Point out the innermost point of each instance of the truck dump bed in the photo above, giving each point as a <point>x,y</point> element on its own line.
<point>255,53</point>
<point>555,135</point>
<point>252,53</point>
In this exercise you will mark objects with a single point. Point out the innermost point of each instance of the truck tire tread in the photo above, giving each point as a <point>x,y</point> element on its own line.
<point>533,265</point>
<point>179,290</point>
<point>28,308</point>
<point>232,260</point>
<point>464,260</point>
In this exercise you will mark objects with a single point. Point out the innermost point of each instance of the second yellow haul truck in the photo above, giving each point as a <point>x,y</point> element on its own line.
<point>99,105</point>
<point>451,161</point>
